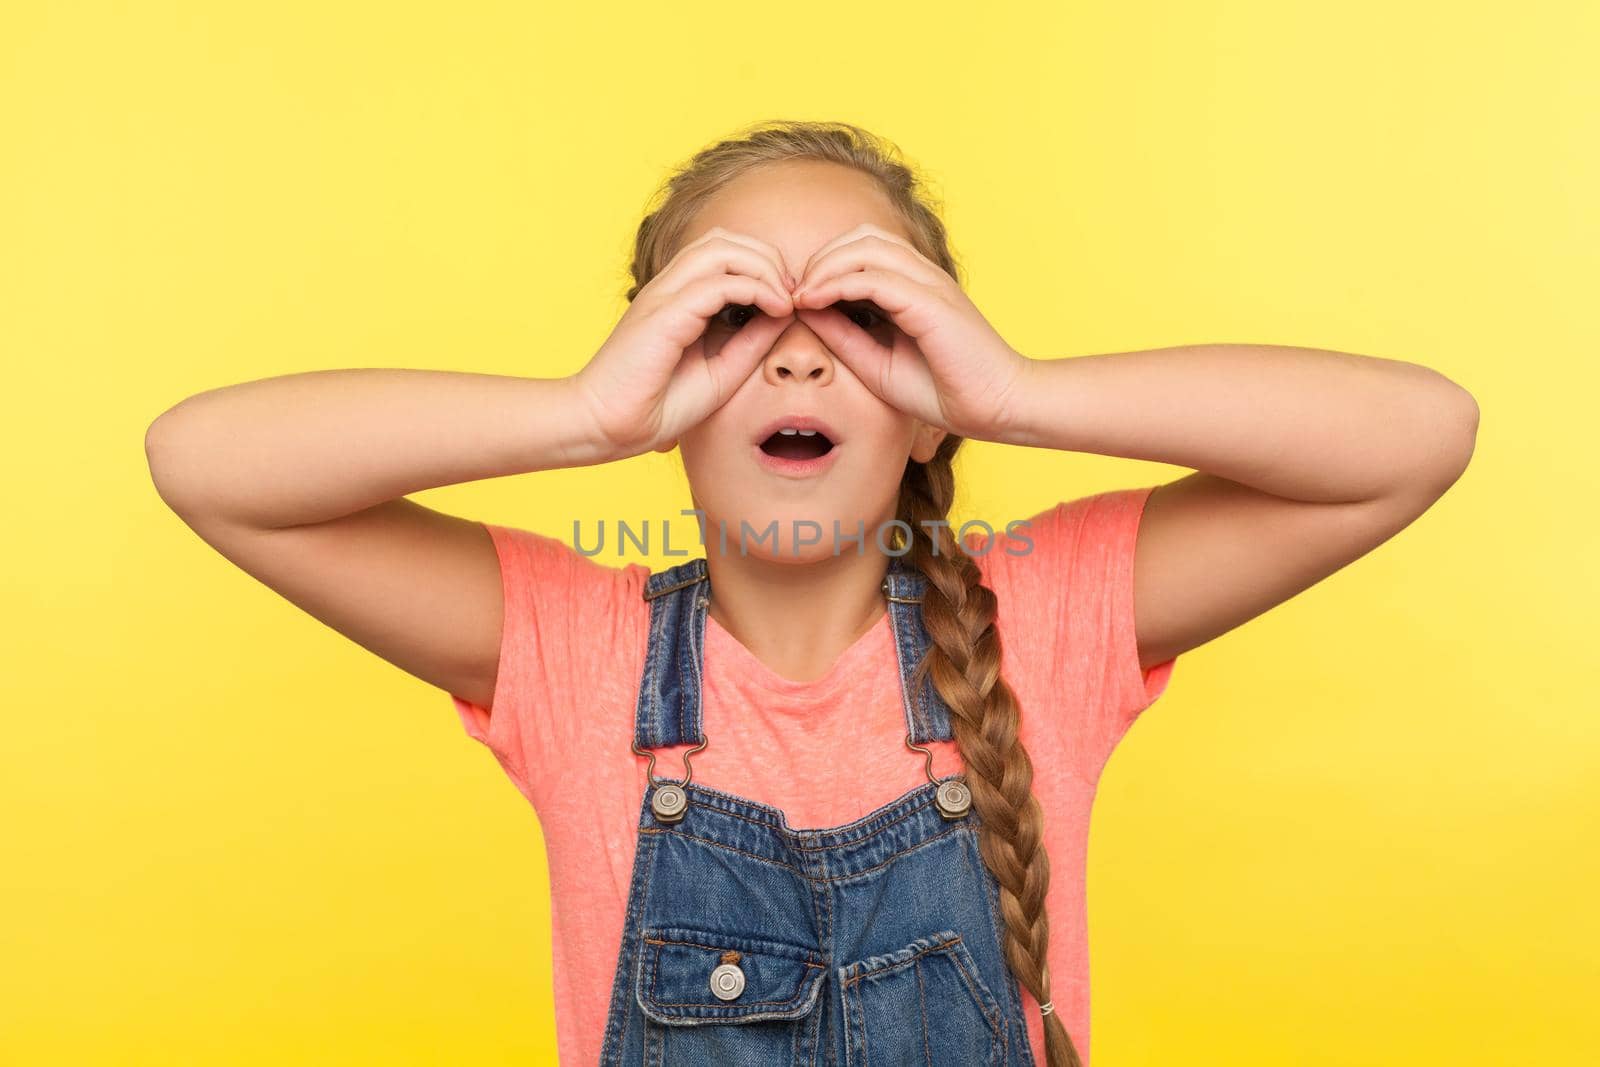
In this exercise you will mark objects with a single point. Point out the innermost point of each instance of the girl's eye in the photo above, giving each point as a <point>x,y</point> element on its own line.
<point>875,318</point>
<point>742,313</point>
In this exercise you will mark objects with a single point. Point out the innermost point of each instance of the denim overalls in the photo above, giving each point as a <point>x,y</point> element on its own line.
<point>748,942</point>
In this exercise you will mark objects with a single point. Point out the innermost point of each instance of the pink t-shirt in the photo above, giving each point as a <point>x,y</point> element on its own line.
<point>825,752</point>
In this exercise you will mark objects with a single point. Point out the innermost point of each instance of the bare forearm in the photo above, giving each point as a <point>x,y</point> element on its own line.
<point>304,448</point>
<point>1303,423</point>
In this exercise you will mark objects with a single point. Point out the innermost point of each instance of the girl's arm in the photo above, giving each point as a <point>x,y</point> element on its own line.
<point>304,448</point>
<point>300,480</point>
<point>1305,461</point>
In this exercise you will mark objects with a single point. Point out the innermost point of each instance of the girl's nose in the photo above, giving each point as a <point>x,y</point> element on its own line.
<point>799,355</point>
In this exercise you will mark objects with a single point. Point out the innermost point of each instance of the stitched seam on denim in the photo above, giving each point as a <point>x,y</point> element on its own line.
<point>925,693</point>
<point>917,630</point>
<point>836,845</point>
<point>680,655</point>
<point>730,848</point>
<point>983,1002</point>
<point>641,721</point>
<point>915,696</point>
<point>864,837</point>
<point>617,1029</point>
<point>922,1005</point>
<point>644,896</point>
<point>652,594</point>
<point>790,1002</point>
<point>894,856</point>
<point>900,664</point>
<point>852,1041</point>
<point>777,823</point>
<point>683,644</point>
<point>825,937</point>
<point>941,835</point>
<point>937,946</point>
<point>648,709</point>
<point>754,951</point>
<point>980,993</point>
<point>997,921</point>
<point>861,1026</point>
<point>697,632</point>
<point>644,888</point>
<point>655,975</point>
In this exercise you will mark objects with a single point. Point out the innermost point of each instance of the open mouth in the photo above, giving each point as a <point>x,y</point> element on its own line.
<point>797,444</point>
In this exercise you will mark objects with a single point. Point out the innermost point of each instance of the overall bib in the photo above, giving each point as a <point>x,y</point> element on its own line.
<point>747,942</point>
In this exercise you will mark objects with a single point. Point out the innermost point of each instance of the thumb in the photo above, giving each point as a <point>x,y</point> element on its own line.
<point>740,356</point>
<point>854,346</point>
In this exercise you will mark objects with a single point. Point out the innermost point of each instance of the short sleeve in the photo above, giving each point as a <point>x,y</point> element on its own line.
<point>1065,583</point>
<point>1113,521</point>
<point>571,649</point>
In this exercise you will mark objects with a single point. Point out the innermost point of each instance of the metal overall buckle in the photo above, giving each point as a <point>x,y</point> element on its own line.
<point>953,798</point>
<point>669,801</point>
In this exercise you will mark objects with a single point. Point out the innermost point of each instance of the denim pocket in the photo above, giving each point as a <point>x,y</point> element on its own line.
<point>919,1005</point>
<point>759,1021</point>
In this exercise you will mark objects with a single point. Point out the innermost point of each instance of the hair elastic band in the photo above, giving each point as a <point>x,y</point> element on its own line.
<point>1047,1007</point>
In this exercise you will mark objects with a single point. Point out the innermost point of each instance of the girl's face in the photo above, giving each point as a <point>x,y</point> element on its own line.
<point>797,207</point>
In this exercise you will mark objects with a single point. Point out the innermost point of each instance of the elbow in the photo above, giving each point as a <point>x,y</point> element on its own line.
<point>158,455</point>
<point>163,455</point>
<point>1454,437</point>
<point>1462,439</point>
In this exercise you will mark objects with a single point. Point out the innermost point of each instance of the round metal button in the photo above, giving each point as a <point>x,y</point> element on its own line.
<point>727,981</point>
<point>669,802</point>
<point>953,798</point>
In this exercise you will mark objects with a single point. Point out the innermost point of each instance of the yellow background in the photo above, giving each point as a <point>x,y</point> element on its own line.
<point>1360,829</point>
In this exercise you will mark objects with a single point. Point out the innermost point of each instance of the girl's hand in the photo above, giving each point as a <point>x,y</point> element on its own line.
<point>936,357</point>
<point>653,378</point>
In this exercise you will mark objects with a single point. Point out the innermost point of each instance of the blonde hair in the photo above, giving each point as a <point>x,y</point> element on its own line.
<point>963,658</point>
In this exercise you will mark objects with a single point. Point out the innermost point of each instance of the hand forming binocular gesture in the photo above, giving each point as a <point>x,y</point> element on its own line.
<point>938,359</point>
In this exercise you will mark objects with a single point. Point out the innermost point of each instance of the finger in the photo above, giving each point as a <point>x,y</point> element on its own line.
<point>689,312</point>
<point>873,251</point>
<point>739,357</point>
<point>720,250</point>
<point>876,234</point>
<point>860,351</point>
<point>720,257</point>
<point>786,278</point>
<point>911,305</point>
<point>766,248</point>
<point>718,233</point>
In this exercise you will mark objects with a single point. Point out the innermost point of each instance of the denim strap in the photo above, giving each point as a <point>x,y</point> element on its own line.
<point>668,712</point>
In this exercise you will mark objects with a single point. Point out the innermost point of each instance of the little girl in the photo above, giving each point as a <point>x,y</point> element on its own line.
<point>889,732</point>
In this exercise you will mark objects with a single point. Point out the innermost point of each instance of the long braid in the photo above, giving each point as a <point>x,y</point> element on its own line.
<point>963,662</point>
